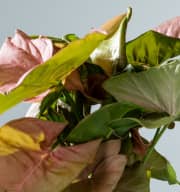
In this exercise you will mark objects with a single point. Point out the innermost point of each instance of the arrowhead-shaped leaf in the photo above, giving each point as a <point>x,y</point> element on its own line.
<point>29,164</point>
<point>156,89</point>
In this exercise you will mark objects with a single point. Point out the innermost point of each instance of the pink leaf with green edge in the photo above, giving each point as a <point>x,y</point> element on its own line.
<point>29,165</point>
<point>170,28</point>
<point>106,170</point>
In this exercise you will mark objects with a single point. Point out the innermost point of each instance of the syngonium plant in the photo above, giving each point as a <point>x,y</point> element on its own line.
<point>66,146</point>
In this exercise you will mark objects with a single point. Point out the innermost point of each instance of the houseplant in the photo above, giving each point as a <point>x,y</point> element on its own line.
<point>67,147</point>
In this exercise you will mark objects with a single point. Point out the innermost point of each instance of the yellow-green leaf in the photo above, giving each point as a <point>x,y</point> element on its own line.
<point>52,71</point>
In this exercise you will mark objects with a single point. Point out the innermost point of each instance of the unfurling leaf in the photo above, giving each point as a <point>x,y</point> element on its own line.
<point>27,168</point>
<point>107,54</point>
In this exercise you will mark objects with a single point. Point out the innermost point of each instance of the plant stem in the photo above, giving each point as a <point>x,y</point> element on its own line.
<point>157,136</point>
<point>73,105</point>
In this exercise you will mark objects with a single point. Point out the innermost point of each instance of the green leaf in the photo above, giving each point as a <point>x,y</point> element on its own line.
<point>151,49</point>
<point>159,168</point>
<point>137,176</point>
<point>134,180</point>
<point>71,37</point>
<point>49,99</point>
<point>156,90</point>
<point>52,71</point>
<point>122,125</point>
<point>153,122</point>
<point>113,119</point>
<point>98,124</point>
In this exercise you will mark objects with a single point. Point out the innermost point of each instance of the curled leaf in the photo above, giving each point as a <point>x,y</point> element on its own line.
<point>108,52</point>
<point>73,82</point>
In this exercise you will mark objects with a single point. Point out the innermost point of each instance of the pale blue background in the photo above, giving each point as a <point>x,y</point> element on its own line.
<point>58,17</point>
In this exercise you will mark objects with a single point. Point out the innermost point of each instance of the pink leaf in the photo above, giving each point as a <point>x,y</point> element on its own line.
<point>106,170</point>
<point>34,127</point>
<point>170,28</point>
<point>43,170</point>
<point>44,46</point>
<point>108,173</point>
<point>24,42</point>
<point>20,54</point>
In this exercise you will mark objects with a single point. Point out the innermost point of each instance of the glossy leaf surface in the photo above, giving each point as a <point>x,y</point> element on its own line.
<point>151,49</point>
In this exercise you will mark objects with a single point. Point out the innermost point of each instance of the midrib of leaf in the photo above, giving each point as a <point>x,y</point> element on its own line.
<point>30,172</point>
